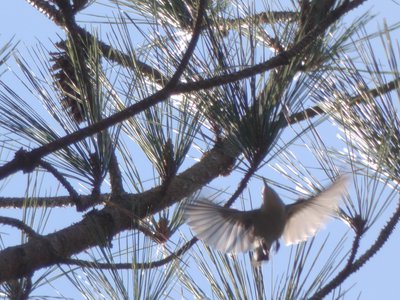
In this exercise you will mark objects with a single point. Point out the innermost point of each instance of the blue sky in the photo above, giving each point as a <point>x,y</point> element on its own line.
<point>377,280</point>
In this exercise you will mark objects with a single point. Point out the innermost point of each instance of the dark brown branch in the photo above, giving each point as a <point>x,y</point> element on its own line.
<point>242,185</point>
<point>117,187</point>
<point>281,59</point>
<point>107,51</point>
<point>48,167</point>
<point>316,110</point>
<point>48,10</point>
<point>20,225</point>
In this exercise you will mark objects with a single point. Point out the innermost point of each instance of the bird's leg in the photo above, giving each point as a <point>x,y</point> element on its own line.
<point>262,252</point>
<point>277,246</point>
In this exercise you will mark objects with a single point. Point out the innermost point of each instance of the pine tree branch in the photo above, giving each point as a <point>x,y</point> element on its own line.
<point>98,227</point>
<point>107,51</point>
<point>18,202</point>
<point>26,161</point>
<point>280,59</point>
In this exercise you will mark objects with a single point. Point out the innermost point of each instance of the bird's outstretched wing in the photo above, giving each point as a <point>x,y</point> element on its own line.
<point>225,229</point>
<point>306,217</point>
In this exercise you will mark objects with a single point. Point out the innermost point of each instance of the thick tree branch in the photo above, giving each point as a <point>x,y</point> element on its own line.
<point>47,9</point>
<point>98,227</point>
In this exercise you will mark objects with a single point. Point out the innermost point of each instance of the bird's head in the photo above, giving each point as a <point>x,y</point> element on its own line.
<point>270,197</point>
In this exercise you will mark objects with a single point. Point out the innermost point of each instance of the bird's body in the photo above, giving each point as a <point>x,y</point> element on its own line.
<point>231,230</point>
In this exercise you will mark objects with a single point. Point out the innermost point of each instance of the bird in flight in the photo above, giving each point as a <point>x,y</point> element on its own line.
<point>232,230</point>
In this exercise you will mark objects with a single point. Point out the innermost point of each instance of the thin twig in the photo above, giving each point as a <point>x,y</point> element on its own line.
<point>317,110</point>
<point>58,201</point>
<point>124,59</point>
<point>122,266</point>
<point>260,18</point>
<point>354,267</point>
<point>60,177</point>
<point>242,185</point>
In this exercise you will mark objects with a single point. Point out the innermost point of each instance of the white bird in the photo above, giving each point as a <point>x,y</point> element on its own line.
<point>231,230</point>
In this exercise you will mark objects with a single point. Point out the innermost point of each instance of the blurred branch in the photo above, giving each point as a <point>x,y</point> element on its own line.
<point>259,19</point>
<point>125,60</point>
<point>60,201</point>
<point>352,267</point>
<point>18,288</point>
<point>147,265</point>
<point>316,110</point>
